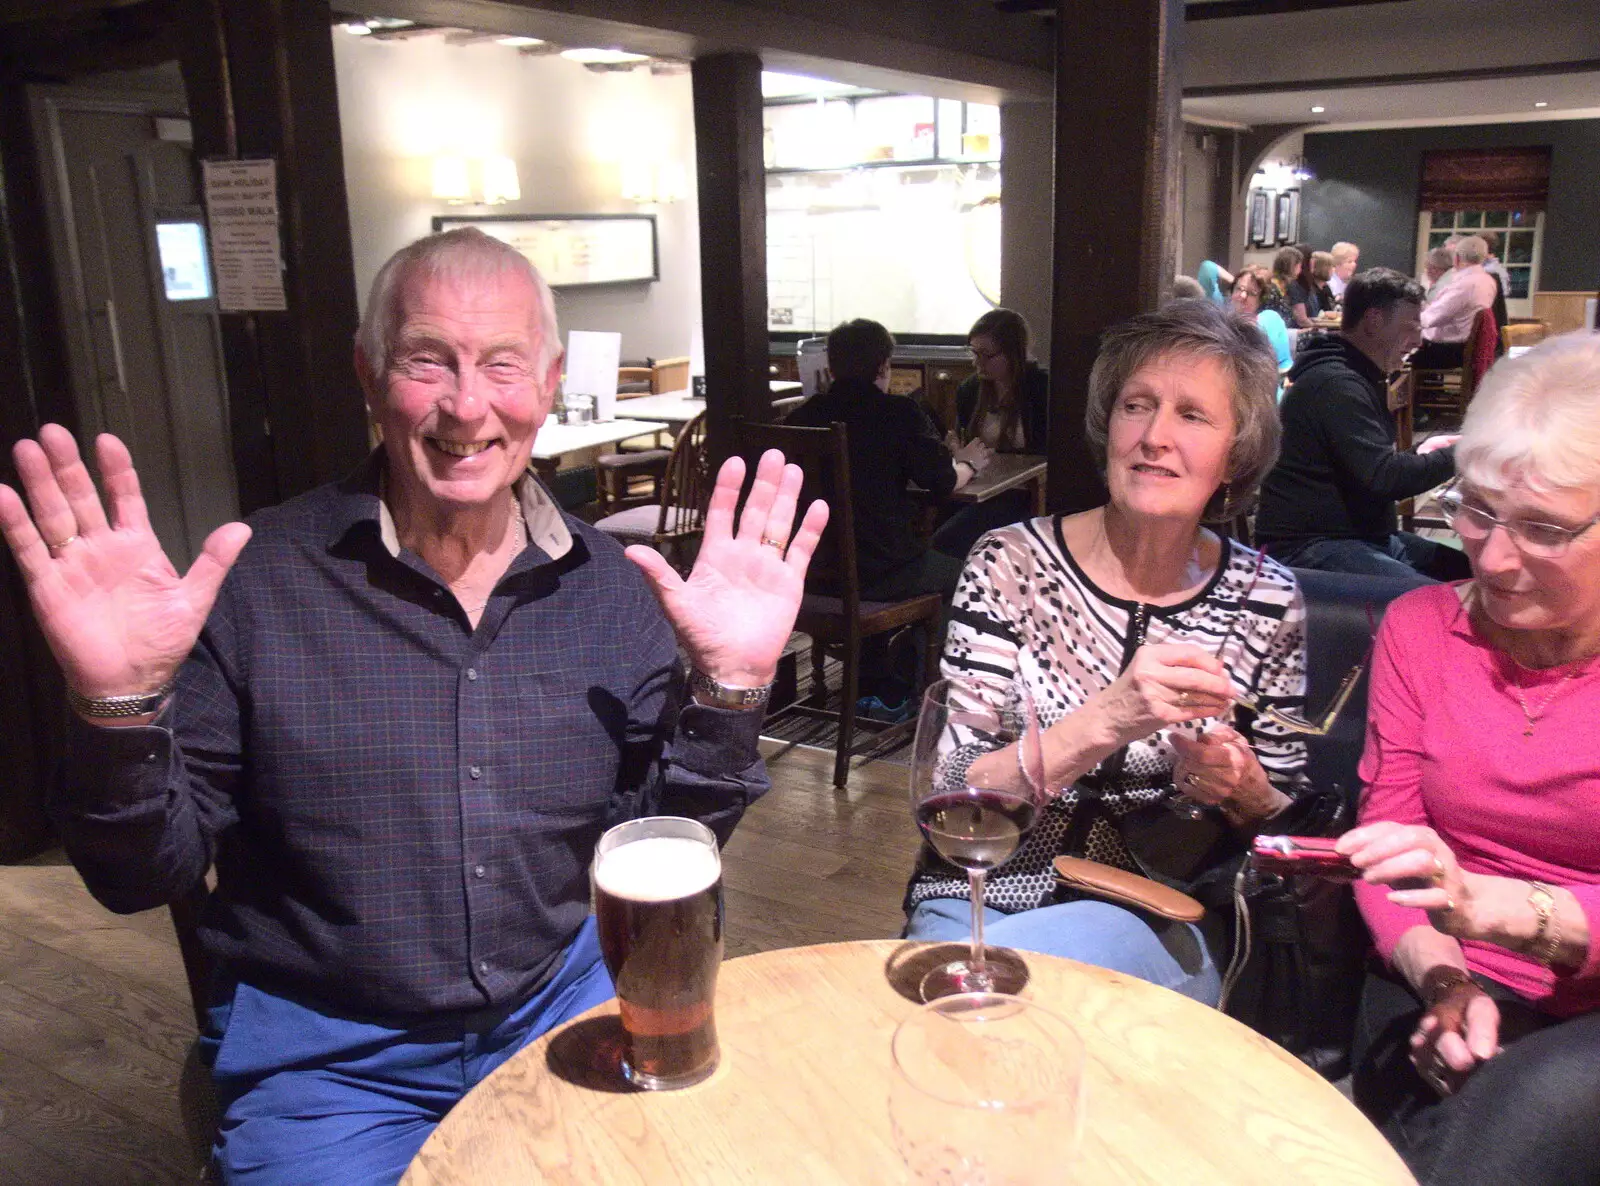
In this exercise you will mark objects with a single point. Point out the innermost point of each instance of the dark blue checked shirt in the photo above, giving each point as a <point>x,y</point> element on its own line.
<point>401,809</point>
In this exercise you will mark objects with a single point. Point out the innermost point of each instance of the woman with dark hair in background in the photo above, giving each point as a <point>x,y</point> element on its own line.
<point>1321,274</point>
<point>1005,405</point>
<point>1275,297</point>
<point>1302,289</point>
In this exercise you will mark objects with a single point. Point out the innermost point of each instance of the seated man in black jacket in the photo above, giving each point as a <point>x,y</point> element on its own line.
<point>1329,503</point>
<point>893,442</point>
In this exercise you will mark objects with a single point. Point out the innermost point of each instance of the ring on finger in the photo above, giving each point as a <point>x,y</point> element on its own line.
<point>1191,779</point>
<point>1183,699</point>
<point>768,542</point>
<point>1438,870</point>
<point>71,539</point>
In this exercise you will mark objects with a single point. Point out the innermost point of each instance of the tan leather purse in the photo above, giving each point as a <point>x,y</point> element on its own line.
<point>1127,889</point>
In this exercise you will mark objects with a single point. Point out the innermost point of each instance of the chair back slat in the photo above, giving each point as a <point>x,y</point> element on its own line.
<point>686,489</point>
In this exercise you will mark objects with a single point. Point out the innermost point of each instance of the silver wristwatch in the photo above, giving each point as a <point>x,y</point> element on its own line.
<point>120,707</point>
<point>708,691</point>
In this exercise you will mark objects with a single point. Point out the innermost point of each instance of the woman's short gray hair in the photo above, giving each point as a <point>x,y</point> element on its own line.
<point>464,254</point>
<point>1198,329</point>
<point>1535,420</point>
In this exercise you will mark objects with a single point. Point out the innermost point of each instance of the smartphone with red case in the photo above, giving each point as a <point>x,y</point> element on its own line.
<point>1309,856</point>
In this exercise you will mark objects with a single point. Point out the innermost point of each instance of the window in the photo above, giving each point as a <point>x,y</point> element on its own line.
<point>1514,236</point>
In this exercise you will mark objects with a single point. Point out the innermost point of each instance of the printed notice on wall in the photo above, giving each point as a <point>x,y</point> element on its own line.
<point>242,205</point>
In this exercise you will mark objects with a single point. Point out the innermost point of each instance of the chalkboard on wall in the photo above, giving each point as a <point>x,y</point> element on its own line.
<point>576,250</point>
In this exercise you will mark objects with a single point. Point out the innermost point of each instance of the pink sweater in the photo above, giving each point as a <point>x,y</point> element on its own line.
<point>1445,747</point>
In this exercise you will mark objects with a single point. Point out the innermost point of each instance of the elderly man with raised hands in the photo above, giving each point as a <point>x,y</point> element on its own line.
<point>396,713</point>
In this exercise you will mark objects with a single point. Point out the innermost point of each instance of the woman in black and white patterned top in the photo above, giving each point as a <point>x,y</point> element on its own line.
<point>1135,628</point>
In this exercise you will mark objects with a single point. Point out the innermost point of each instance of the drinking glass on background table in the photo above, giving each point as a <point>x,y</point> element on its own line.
<point>977,781</point>
<point>658,907</point>
<point>987,1091</point>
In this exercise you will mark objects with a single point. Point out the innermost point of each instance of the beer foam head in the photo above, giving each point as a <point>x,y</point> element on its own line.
<point>657,869</point>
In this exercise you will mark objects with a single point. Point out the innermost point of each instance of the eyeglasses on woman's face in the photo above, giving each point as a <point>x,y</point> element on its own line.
<point>1532,537</point>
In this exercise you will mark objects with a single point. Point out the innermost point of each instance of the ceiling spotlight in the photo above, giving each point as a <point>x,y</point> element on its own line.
<point>601,57</point>
<point>519,42</point>
<point>358,29</point>
<point>1318,110</point>
<point>1541,104</point>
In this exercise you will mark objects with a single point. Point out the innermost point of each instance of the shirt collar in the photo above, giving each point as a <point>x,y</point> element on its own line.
<point>360,502</point>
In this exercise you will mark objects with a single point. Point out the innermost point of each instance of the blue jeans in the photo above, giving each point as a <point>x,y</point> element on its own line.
<point>311,1097</point>
<point>1171,954</point>
<point>1403,555</point>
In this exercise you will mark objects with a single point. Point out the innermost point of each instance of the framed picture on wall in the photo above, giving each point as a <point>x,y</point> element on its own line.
<point>1260,218</point>
<point>576,250</point>
<point>1288,216</point>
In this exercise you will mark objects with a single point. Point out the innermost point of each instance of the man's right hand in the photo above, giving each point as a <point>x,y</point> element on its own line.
<point>118,617</point>
<point>975,453</point>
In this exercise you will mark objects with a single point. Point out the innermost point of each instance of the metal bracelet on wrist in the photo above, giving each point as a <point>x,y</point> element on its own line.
<point>718,695</point>
<point>120,707</point>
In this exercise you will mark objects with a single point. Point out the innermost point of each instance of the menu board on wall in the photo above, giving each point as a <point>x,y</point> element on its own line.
<point>576,250</point>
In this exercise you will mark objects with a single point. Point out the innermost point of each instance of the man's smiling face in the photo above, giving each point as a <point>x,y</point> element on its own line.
<point>464,393</point>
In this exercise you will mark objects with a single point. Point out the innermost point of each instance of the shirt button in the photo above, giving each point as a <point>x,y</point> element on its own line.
<point>472,674</point>
<point>475,771</point>
<point>478,870</point>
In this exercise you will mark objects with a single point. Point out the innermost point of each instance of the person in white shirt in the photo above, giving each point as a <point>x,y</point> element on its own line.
<point>1437,270</point>
<point>1345,257</point>
<point>1448,318</point>
<point>1492,264</point>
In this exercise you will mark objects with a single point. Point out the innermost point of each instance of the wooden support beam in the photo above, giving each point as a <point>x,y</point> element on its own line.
<point>1116,203</point>
<point>261,84</point>
<point>733,240</point>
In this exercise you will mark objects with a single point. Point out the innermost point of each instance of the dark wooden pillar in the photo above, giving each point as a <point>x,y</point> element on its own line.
<point>33,391</point>
<point>1116,202</point>
<point>733,240</point>
<point>261,84</point>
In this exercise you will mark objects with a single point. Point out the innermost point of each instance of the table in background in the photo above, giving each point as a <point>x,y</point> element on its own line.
<point>1174,1091</point>
<point>557,440</point>
<point>1007,471</point>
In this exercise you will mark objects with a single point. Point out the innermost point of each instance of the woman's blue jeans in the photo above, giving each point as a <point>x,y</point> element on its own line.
<point>1171,954</point>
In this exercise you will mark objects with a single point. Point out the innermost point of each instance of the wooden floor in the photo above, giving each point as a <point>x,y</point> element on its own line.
<point>95,1022</point>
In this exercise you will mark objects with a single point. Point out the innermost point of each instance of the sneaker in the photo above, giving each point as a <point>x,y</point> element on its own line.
<point>874,709</point>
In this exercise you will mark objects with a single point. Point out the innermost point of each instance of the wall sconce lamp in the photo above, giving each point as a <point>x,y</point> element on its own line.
<point>498,182</point>
<point>645,182</point>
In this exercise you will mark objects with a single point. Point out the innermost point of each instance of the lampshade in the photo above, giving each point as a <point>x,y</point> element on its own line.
<point>450,179</point>
<point>500,182</point>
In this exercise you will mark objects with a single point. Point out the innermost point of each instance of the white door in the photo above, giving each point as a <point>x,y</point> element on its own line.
<point>128,244</point>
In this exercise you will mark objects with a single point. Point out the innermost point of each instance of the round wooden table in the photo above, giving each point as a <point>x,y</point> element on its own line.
<point>1174,1092</point>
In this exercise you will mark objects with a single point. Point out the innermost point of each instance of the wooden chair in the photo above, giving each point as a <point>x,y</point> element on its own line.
<point>1450,389</point>
<point>680,511</point>
<point>669,374</point>
<point>1523,333</point>
<point>840,621</point>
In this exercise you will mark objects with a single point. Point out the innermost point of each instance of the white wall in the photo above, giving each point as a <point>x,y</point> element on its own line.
<point>567,127</point>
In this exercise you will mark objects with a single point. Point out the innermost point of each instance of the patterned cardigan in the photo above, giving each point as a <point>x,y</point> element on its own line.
<point>1024,608</point>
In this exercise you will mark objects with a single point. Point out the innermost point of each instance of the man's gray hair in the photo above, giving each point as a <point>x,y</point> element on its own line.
<point>1473,249</point>
<point>1194,329</point>
<point>465,254</point>
<point>1441,259</point>
<point>1535,420</point>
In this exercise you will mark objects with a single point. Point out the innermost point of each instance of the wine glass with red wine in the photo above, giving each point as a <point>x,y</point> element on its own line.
<point>977,781</point>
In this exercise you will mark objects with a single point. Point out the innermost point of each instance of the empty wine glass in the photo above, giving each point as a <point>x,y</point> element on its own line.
<point>977,781</point>
<point>987,1091</point>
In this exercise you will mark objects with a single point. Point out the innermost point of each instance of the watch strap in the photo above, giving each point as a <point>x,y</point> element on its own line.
<point>719,695</point>
<point>120,707</point>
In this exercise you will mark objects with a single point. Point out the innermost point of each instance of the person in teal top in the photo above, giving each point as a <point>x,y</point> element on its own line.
<point>1247,289</point>
<point>1214,279</point>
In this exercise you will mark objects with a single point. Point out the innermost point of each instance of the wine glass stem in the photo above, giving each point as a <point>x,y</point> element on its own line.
<point>980,970</point>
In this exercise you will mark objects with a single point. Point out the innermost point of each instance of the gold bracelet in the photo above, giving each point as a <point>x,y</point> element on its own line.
<point>1546,941</point>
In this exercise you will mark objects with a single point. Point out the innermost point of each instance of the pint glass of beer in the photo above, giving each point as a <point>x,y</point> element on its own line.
<point>658,906</point>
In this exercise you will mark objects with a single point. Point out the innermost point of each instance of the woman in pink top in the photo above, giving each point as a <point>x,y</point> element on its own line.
<point>1478,1048</point>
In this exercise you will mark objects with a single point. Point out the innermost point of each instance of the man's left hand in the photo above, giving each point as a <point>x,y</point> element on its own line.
<point>736,611</point>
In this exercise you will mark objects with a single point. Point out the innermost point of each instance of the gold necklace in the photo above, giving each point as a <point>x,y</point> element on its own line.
<point>1529,714</point>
